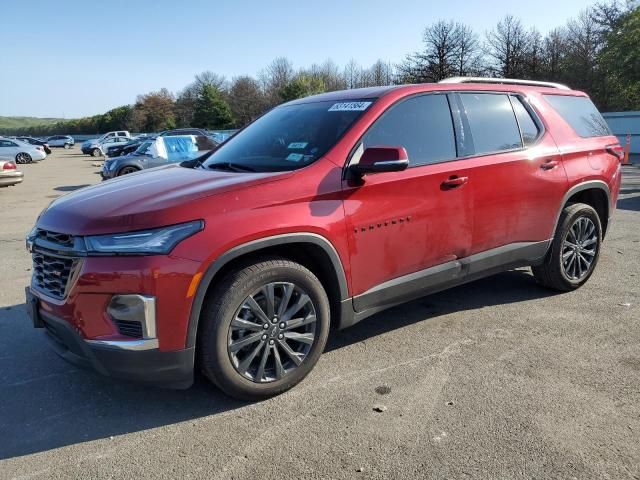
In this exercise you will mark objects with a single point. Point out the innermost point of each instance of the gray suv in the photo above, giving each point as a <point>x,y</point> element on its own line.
<point>64,141</point>
<point>158,152</point>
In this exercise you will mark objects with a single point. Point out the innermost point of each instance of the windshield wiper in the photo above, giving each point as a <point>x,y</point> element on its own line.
<point>230,166</point>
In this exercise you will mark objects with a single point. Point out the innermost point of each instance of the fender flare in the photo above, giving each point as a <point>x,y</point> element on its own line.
<point>253,246</point>
<point>588,185</point>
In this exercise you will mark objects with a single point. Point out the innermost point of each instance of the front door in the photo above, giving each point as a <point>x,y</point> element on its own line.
<point>403,223</point>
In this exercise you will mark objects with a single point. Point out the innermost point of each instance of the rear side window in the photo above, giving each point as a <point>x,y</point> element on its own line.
<point>528,127</point>
<point>491,121</point>
<point>422,125</point>
<point>581,114</point>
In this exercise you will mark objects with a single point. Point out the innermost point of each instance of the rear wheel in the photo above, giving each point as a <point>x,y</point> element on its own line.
<point>96,152</point>
<point>23,157</point>
<point>263,329</point>
<point>574,251</point>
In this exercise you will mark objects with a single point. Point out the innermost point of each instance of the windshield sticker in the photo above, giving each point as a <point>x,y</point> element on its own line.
<point>349,106</point>
<point>297,145</point>
<point>295,157</point>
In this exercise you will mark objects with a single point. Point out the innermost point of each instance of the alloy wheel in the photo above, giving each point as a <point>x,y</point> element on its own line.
<point>23,157</point>
<point>272,332</point>
<point>579,248</point>
<point>128,170</point>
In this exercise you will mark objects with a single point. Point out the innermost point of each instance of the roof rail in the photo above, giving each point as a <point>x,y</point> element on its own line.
<point>506,81</point>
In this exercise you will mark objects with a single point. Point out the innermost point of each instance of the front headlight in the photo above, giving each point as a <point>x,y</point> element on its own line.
<point>143,242</point>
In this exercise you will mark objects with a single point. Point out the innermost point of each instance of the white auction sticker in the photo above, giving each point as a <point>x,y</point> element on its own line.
<point>295,157</point>
<point>297,145</point>
<point>349,106</point>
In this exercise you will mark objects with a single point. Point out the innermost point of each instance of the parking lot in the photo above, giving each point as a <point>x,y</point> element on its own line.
<point>494,379</point>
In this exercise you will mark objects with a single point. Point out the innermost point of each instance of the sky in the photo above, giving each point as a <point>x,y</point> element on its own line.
<point>73,58</point>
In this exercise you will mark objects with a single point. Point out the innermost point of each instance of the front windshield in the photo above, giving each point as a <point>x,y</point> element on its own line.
<point>143,147</point>
<point>288,137</point>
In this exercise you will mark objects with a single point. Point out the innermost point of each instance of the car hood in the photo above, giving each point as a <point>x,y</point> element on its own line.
<point>153,198</point>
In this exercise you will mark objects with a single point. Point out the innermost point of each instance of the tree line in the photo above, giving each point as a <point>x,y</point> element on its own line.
<point>598,52</point>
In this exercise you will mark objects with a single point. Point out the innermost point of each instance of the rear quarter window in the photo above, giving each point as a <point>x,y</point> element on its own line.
<point>581,114</point>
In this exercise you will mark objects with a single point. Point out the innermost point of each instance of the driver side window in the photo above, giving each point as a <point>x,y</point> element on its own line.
<point>422,125</point>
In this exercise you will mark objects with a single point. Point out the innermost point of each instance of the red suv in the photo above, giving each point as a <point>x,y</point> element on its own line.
<point>320,213</point>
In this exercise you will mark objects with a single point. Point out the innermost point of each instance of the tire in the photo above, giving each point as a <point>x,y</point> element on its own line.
<point>67,146</point>
<point>23,157</point>
<point>578,239</point>
<point>127,171</point>
<point>223,364</point>
<point>96,152</point>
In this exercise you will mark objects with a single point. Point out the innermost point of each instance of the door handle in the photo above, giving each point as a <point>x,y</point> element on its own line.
<point>454,182</point>
<point>549,164</point>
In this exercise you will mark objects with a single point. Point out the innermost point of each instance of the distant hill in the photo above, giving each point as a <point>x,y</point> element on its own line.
<point>26,122</point>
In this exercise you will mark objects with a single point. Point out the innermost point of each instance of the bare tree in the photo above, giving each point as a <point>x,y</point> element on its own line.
<point>468,55</point>
<point>273,78</point>
<point>553,53</point>
<point>381,73</point>
<point>507,46</point>
<point>450,49</point>
<point>211,79</point>
<point>534,68</point>
<point>351,71</point>
<point>246,100</point>
<point>583,42</point>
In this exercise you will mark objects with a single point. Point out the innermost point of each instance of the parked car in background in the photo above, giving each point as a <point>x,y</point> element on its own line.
<point>20,152</point>
<point>97,148</point>
<point>183,131</point>
<point>220,137</point>
<point>157,152</point>
<point>9,174</point>
<point>35,141</point>
<point>124,149</point>
<point>89,146</point>
<point>64,141</point>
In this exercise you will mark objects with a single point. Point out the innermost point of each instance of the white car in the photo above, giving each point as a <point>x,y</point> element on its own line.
<point>98,148</point>
<point>9,174</point>
<point>20,152</point>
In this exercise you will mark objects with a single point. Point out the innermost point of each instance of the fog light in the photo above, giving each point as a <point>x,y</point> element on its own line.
<point>134,315</point>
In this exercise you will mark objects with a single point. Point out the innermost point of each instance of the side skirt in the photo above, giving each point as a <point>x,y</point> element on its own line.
<point>441,277</point>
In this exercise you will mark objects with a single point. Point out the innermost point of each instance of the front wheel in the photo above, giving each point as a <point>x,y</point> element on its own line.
<point>96,152</point>
<point>67,146</point>
<point>23,158</point>
<point>127,171</point>
<point>263,329</point>
<point>574,251</point>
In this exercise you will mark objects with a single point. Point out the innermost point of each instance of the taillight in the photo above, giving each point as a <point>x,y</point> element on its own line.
<point>40,148</point>
<point>616,150</point>
<point>9,166</point>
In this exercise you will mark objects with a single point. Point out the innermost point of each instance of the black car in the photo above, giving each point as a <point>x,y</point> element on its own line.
<point>35,141</point>
<point>125,148</point>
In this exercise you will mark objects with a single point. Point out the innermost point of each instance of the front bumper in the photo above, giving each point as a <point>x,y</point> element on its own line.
<point>125,360</point>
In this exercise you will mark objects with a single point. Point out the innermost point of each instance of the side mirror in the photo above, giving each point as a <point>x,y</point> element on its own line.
<point>379,160</point>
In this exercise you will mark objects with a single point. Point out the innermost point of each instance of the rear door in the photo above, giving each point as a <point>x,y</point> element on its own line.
<point>519,180</point>
<point>405,222</point>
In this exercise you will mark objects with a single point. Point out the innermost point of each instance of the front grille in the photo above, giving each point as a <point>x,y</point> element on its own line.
<point>53,262</point>
<point>129,328</point>
<point>51,274</point>
<point>61,239</point>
